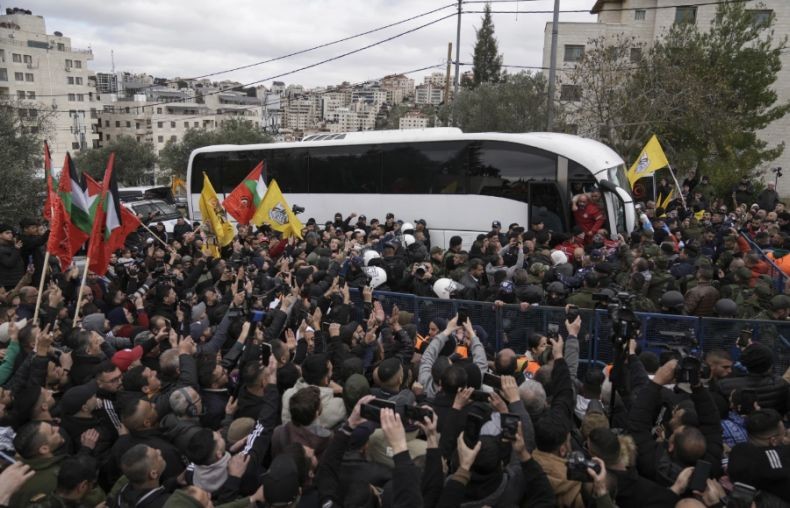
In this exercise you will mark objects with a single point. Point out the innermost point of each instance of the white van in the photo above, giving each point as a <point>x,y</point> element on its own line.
<point>165,213</point>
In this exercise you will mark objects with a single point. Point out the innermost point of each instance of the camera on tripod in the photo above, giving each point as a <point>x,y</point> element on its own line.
<point>625,323</point>
<point>777,171</point>
<point>690,368</point>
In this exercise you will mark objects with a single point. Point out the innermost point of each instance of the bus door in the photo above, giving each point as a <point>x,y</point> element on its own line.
<point>545,202</point>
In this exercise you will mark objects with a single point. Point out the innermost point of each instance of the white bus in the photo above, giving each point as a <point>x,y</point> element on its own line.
<point>459,183</point>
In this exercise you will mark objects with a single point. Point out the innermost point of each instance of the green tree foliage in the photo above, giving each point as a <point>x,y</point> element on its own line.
<point>174,157</point>
<point>487,59</point>
<point>392,119</point>
<point>21,154</point>
<point>134,161</point>
<point>515,105</point>
<point>705,93</point>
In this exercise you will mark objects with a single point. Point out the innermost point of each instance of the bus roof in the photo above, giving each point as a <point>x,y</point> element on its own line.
<point>590,153</point>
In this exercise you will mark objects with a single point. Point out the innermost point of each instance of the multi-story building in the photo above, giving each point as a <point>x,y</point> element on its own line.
<point>435,79</point>
<point>646,21</point>
<point>398,87</point>
<point>428,94</point>
<point>413,120</point>
<point>301,112</point>
<point>45,75</point>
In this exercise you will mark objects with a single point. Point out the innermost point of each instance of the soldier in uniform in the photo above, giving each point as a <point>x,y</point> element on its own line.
<point>583,298</point>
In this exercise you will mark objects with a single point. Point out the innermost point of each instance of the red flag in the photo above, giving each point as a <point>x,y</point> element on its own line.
<point>98,251</point>
<point>247,196</point>
<point>66,237</point>
<point>48,203</point>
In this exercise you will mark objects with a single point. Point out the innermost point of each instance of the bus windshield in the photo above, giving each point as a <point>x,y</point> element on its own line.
<point>616,175</point>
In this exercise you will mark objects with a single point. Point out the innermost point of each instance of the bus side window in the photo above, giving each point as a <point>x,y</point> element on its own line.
<point>429,168</point>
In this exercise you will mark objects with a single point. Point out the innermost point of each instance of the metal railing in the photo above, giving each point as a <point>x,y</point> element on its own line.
<point>508,326</point>
<point>777,275</point>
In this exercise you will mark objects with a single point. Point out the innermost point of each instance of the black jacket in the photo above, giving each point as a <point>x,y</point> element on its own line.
<point>12,266</point>
<point>772,391</point>
<point>766,469</point>
<point>637,491</point>
<point>155,439</point>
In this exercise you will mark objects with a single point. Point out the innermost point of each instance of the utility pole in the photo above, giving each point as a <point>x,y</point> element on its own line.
<point>552,67</point>
<point>457,52</point>
<point>447,83</point>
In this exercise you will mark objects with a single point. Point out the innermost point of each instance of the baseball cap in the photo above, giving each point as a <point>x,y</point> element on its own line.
<point>124,358</point>
<point>74,398</point>
<point>496,224</point>
<point>281,481</point>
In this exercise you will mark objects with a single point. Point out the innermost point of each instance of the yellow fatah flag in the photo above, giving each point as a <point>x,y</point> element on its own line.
<point>214,215</point>
<point>275,212</point>
<point>650,160</point>
<point>664,204</point>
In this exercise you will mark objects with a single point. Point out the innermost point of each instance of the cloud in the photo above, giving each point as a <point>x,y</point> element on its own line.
<point>188,38</point>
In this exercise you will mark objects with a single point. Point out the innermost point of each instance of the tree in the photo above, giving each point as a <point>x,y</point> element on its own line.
<point>21,154</point>
<point>515,105</point>
<point>487,59</point>
<point>134,160</point>
<point>174,157</point>
<point>706,94</point>
<point>392,119</point>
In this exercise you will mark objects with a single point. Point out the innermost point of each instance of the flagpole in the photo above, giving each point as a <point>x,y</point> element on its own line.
<point>154,235</point>
<point>79,295</point>
<point>680,191</point>
<point>41,287</point>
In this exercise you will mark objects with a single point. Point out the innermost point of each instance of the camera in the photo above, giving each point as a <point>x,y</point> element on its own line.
<point>578,464</point>
<point>777,171</point>
<point>625,324</point>
<point>691,369</point>
<point>417,414</point>
<point>296,209</point>
<point>420,271</point>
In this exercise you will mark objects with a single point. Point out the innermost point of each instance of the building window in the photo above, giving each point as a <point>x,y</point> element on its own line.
<point>108,137</point>
<point>160,139</point>
<point>31,95</point>
<point>29,77</point>
<point>136,125</point>
<point>70,80</point>
<point>196,124</point>
<point>172,125</point>
<point>636,55</point>
<point>640,14</point>
<point>61,46</point>
<point>19,76</point>
<point>27,59</point>
<point>128,124</point>
<point>761,17</point>
<point>77,81</point>
<point>32,112</point>
<point>186,125</point>
<point>118,124</point>
<point>80,97</point>
<point>571,93</point>
<point>173,139</point>
<point>69,64</point>
<point>686,14</point>
<point>72,97</point>
<point>20,94</point>
<point>3,74</point>
<point>16,57</point>
<point>573,52</point>
<point>158,111</point>
<point>78,64</point>
<point>160,125</point>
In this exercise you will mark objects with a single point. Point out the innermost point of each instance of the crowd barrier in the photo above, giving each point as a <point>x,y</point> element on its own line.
<point>778,276</point>
<point>509,327</point>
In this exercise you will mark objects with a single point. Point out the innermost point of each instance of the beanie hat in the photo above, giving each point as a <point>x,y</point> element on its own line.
<point>558,257</point>
<point>757,358</point>
<point>76,397</point>
<point>117,317</point>
<point>94,322</point>
<point>198,311</point>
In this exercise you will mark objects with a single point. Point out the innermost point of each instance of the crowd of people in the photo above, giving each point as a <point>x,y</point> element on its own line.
<point>253,379</point>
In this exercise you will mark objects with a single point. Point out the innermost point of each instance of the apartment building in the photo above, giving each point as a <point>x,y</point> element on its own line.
<point>398,87</point>
<point>429,94</point>
<point>45,75</point>
<point>413,120</point>
<point>647,20</point>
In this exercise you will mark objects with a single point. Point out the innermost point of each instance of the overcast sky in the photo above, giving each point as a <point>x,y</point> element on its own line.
<point>189,38</point>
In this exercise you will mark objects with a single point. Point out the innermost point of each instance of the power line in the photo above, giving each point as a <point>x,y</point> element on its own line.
<point>621,9</point>
<point>293,53</point>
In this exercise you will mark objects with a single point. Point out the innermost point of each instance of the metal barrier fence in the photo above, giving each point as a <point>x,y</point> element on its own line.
<point>777,275</point>
<point>510,327</point>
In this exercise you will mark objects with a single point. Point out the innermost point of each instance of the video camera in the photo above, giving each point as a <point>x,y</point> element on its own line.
<point>690,369</point>
<point>625,323</point>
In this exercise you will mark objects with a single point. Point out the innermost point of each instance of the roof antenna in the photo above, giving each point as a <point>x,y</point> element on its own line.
<point>112,59</point>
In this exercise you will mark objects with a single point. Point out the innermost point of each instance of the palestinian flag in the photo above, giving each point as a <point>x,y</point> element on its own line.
<point>80,206</point>
<point>106,220</point>
<point>126,218</point>
<point>70,222</point>
<point>247,196</point>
